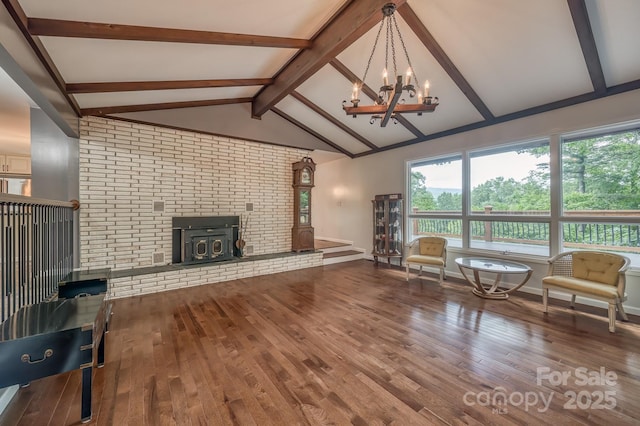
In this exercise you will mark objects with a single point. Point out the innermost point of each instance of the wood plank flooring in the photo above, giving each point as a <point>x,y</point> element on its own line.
<point>350,343</point>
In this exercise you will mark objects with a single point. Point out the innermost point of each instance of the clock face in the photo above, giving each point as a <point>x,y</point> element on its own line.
<point>305,177</point>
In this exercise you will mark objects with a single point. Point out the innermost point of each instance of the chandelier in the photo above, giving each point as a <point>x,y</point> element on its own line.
<point>388,102</point>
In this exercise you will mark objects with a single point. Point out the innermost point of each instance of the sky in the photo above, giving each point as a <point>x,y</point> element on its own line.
<point>507,164</point>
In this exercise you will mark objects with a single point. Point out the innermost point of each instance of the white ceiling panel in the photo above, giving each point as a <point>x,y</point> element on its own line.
<point>300,112</point>
<point>515,54</point>
<point>616,28</point>
<point>328,88</point>
<point>95,100</point>
<point>278,18</point>
<point>116,60</point>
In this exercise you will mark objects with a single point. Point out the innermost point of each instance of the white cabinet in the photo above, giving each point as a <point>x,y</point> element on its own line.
<point>15,164</point>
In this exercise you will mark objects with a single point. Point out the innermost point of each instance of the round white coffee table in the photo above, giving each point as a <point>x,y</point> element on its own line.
<point>495,266</point>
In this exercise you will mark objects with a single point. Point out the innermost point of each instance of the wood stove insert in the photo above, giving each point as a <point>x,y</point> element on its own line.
<point>204,239</point>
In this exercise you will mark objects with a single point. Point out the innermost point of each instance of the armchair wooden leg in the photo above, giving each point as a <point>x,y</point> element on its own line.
<point>612,317</point>
<point>573,301</point>
<point>441,274</point>
<point>545,296</point>
<point>623,314</point>
<point>407,271</point>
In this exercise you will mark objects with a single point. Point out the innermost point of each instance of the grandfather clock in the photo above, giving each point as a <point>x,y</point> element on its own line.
<point>302,231</point>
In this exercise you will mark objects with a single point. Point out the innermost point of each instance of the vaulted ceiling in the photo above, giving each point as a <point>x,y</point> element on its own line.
<point>277,71</point>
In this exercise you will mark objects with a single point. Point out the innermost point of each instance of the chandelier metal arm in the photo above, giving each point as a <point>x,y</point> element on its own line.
<point>393,100</point>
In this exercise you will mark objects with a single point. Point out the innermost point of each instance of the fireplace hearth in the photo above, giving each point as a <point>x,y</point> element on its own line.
<point>204,239</point>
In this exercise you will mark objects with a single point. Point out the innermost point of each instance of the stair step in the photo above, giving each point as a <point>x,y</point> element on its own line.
<point>340,253</point>
<point>337,251</point>
<point>326,244</point>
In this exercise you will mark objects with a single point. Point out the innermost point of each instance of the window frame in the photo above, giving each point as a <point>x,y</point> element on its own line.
<point>556,217</point>
<point>562,216</point>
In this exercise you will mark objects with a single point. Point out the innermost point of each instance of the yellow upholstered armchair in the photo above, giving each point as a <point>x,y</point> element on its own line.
<point>593,274</point>
<point>428,251</point>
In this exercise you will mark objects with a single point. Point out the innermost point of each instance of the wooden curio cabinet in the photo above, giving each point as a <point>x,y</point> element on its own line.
<point>302,231</point>
<point>387,227</point>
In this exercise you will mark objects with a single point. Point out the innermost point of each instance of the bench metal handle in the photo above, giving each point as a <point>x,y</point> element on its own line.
<point>27,358</point>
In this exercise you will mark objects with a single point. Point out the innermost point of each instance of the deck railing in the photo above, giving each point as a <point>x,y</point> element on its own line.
<point>577,234</point>
<point>36,250</point>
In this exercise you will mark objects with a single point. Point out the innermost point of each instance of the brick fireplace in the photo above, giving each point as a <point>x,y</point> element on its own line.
<point>127,170</point>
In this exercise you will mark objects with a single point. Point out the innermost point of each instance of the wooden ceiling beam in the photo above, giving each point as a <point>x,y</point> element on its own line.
<point>346,72</point>
<point>443,59</point>
<point>330,118</point>
<point>100,111</point>
<point>358,17</point>
<point>21,20</point>
<point>311,131</point>
<point>134,86</point>
<point>61,28</point>
<point>581,22</point>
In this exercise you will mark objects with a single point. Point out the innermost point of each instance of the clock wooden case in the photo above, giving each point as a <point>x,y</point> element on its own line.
<point>302,231</point>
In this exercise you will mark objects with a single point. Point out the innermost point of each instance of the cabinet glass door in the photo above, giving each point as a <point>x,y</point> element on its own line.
<point>395,227</point>
<point>379,232</point>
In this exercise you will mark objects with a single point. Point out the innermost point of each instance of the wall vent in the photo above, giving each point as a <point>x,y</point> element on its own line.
<point>249,207</point>
<point>158,206</point>
<point>158,258</point>
<point>248,250</point>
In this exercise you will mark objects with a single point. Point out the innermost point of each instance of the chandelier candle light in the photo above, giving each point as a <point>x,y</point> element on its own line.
<point>388,102</point>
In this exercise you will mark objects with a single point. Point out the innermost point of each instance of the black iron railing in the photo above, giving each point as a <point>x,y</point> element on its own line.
<point>36,250</point>
<point>575,234</point>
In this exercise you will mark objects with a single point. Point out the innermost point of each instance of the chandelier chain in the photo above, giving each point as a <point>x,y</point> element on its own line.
<point>386,45</point>
<point>393,44</point>
<point>375,44</point>
<point>404,48</point>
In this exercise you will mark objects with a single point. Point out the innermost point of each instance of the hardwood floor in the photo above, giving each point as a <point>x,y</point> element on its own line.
<point>348,344</point>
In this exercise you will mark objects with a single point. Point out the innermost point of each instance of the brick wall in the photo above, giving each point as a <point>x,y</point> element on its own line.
<point>214,273</point>
<point>125,167</point>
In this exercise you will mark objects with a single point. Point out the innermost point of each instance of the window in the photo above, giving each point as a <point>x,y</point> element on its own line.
<point>435,199</point>
<point>576,192</point>
<point>601,192</point>
<point>436,185</point>
<point>511,180</point>
<point>601,175</point>
<point>508,185</point>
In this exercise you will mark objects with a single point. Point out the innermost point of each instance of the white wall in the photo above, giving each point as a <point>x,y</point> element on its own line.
<point>345,187</point>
